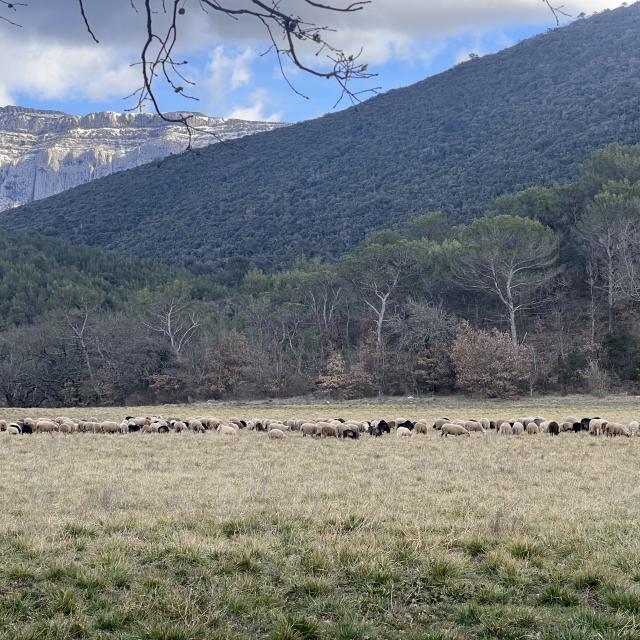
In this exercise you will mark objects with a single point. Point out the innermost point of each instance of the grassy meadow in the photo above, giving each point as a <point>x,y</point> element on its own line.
<point>188,537</point>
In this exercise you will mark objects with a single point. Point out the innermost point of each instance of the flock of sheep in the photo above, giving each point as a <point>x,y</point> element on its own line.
<point>336,428</point>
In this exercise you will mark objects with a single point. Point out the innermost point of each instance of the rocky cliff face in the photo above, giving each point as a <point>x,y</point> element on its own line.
<point>45,152</point>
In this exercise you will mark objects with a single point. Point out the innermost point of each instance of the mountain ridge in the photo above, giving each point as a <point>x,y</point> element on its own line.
<point>44,152</point>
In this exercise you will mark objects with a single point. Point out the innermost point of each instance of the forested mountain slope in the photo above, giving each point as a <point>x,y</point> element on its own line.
<point>528,115</point>
<point>39,275</point>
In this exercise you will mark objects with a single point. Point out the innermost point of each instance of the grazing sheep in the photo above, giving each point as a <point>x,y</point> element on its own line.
<point>328,431</point>
<point>438,424</point>
<point>152,427</point>
<point>486,423</point>
<point>178,426</point>
<point>67,427</point>
<point>597,426</point>
<point>553,428</point>
<point>226,430</point>
<point>46,426</point>
<point>504,429</point>
<point>13,430</point>
<point>614,429</point>
<point>109,426</point>
<point>375,432</point>
<point>473,426</point>
<point>403,432</point>
<point>309,429</point>
<point>352,434</point>
<point>517,429</point>
<point>384,426</point>
<point>585,422</point>
<point>634,427</point>
<point>449,429</point>
<point>533,429</point>
<point>421,428</point>
<point>3,425</point>
<point>278,425</point>
<point>276,434</point>
<point>407,424</point>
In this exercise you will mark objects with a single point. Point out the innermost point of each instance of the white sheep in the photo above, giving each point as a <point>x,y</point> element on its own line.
<point>450,429</point>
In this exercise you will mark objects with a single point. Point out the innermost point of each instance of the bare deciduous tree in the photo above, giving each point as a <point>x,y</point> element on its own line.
<point>174,319</point>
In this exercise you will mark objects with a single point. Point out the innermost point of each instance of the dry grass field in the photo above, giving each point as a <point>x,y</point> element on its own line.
<point>189,537</point>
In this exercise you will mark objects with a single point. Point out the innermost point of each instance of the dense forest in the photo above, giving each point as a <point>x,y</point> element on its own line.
<point>540,294</point>
<point>530,115</point>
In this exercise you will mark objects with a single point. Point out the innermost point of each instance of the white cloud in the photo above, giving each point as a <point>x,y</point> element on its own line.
<point>257,110</point>
<point>50,70</point>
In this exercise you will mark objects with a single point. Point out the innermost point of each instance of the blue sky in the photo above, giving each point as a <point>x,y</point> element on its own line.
<point>58,67</point>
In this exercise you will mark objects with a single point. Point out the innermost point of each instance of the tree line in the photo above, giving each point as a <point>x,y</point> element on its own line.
<point>539,295</point>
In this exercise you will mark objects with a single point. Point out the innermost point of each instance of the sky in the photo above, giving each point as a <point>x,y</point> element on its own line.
<point>51,62</point>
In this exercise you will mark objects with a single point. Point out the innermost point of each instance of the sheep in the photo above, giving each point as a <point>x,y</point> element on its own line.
<point>152,427</point>
<point>566,426</point>
<point>196,426</point>
<point>13,430</point>
<point>28,425</point>
<point>84,426</point>
<point>472,425</point>
<point>340,429</point>
<point>403,432</point>
<point>375,432</point>
<point>634,427</point>
<point>108,426</point>
<point>328,431</point>
<point>449,429</point>
<point>351,434</point>
<point>226,430</point>
<point>517,429</point>
<point>614,429</point>
<point>46,426</point>
<point>309,429</point>
<point>504,429</point>
<point>486,423</point>
<point>3,425</point>
<point>276,434</point>
<point>597,426</point>
<point>407,424</point>
<point>278,425</point>
<point>553,428</point>
<point>533,429</point>
<point>66,427</point>
<point>178,426</point>
<point>421,428</point>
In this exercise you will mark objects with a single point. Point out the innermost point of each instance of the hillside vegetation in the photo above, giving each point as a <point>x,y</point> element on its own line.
<point>528,115</point>
<point>540,294</point>
<point>39,275</point>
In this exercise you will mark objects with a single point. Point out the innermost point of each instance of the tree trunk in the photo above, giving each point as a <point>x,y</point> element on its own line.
<point>610,296</point>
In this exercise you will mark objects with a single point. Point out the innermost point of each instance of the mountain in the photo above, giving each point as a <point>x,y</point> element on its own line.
<point>45,152</point>
<point>528,115</point>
